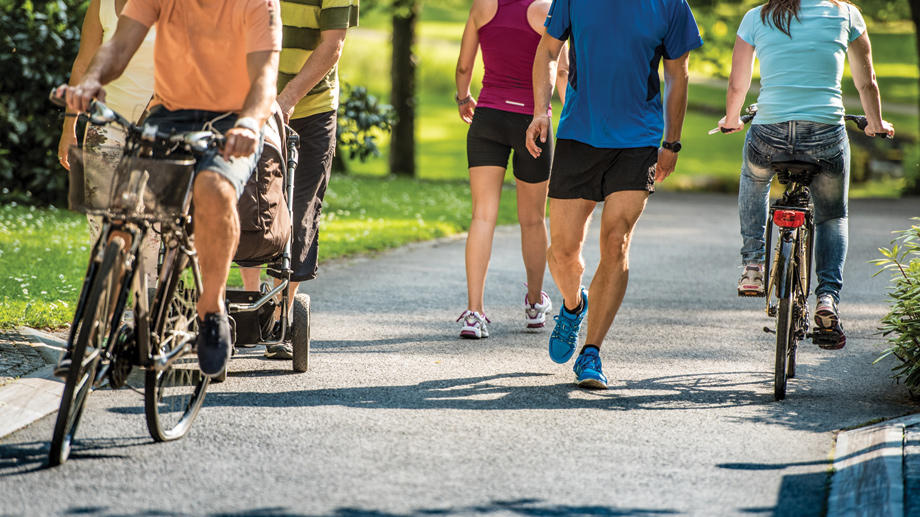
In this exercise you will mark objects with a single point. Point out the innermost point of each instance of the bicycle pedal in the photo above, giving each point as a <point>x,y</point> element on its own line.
<point>750,294</point>
<point>768,330</point>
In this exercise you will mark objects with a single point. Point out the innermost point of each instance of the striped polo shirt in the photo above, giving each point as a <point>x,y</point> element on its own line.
<point>303,21</point>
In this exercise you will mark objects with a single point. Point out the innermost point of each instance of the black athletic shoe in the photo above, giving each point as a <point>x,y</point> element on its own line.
<point>214,347</point>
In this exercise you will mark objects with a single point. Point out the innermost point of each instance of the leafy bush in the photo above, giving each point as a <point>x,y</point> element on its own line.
<point>361,119</point>
<point>39,39</point>
<point>901,326</point>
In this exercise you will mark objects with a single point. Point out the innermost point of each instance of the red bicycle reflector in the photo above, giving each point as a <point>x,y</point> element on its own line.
<point>788,218</point>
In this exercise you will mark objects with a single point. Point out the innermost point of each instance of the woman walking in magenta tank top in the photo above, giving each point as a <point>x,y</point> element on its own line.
<point>508,31</point>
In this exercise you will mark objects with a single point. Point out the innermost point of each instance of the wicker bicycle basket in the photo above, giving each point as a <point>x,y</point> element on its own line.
<point>103,180</point>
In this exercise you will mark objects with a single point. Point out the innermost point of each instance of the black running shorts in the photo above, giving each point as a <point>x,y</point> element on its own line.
<point>581,171</point>
<point>492,136</point>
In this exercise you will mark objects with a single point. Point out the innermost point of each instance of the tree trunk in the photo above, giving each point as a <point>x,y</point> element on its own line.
<point>402,95</point>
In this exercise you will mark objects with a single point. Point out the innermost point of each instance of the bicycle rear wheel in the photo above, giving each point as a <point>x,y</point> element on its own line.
<point>92,330</point>
<point>784,319</point>
<point>173,396</point>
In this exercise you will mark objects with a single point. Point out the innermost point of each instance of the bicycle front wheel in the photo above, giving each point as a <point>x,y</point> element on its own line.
<point>173,396</point>
<point>92,330</point>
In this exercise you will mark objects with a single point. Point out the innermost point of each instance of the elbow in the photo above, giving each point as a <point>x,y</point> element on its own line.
<point>870,85</point>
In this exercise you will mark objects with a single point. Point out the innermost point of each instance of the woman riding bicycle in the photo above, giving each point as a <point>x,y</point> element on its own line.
<point>801,45</point>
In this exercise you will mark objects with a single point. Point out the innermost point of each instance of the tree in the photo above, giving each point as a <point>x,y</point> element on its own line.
<point>402,92</point>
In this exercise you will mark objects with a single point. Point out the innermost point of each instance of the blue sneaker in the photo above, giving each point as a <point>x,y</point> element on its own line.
<point>565,335</point>
<point>588,371</point>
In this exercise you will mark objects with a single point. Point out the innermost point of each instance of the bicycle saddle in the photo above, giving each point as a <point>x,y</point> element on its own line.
<point>798,167</point>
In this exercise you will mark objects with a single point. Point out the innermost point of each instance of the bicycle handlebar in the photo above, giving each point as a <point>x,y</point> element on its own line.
<point>861,122</point>
<point>99,114</point>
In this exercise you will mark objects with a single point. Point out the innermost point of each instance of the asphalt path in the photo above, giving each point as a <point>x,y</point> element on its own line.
<point>399,417</point>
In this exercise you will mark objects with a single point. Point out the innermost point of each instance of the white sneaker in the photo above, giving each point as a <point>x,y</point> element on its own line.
<point>535,313</point>
<point>474,325</point>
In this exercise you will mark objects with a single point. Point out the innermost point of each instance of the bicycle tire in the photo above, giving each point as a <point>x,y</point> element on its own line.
<point>82,374</point>
<point>173,396</point>
<point>784,328</point>
<point>800,295</point>
<point>300,333</point>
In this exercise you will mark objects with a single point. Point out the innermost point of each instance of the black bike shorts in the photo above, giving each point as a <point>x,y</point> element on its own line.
<point>581,171</point>
<point>495,133</point>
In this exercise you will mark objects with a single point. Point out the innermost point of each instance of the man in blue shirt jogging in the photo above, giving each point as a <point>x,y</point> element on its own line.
<point>609,147</point>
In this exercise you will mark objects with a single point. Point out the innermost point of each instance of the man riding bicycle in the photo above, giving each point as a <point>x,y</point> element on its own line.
<point>801,45</point>
<point>215,67</point>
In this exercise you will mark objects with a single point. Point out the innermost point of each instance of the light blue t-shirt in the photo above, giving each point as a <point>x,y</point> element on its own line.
<point>800,75</point>
<point>613,100</point>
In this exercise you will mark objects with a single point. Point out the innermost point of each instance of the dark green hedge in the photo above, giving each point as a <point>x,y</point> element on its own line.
<point>39,43</point>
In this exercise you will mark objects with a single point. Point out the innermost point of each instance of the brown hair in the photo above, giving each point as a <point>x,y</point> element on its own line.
<point>781,13</point>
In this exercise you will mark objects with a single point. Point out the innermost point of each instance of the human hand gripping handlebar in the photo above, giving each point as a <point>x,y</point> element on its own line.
<point>99,114</point>
<point>860,121</point>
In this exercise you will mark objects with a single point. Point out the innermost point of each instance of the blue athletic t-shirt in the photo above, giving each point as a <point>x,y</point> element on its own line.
<point>800,75</point>
<point>613,100</point>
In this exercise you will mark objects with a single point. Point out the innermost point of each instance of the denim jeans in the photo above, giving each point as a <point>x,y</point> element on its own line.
<point>826,143</point>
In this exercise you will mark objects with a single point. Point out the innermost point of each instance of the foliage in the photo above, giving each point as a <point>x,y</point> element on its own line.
<point>361,119</point>
<point>901,326</point>
<point>38,43</point>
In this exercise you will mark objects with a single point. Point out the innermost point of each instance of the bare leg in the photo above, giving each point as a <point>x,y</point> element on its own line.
<point>217,219</point>
<point>531,201</point>
<point>621,212</point>
<point>251,278</point>
<point>486,191</point>
<point>568,223</point>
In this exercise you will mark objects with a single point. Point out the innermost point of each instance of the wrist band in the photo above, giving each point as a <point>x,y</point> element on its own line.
<point>249,123</point>
<point>465,100</point>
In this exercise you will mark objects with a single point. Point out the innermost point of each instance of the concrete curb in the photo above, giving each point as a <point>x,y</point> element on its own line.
<point>36,395</point>
<point>869,475</point>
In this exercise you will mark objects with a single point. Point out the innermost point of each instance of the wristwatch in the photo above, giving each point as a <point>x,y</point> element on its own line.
<point>465,100</point>
<point>674,146</point>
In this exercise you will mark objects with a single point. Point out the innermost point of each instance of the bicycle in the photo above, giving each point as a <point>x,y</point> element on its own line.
<point>789,270</point>
<point>150,190</point>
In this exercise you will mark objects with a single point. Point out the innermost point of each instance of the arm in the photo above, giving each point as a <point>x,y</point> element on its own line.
<point>676,79</point>
<point>320,62</point>
<point>108,63</point>
<point>263,74</point>
<point>469,47</point>
<point>90,40</point>
<point>739,82</point>
<point>860,56</point>
<point>536,16</point>
<point>562,73</point>
<point>544,69</point>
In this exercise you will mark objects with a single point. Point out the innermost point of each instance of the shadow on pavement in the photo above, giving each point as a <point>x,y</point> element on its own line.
<point>527,507</point>
<point>505,392</point>
<point>22,458</point>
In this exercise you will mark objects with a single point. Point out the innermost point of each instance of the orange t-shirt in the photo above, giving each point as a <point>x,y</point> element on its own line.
<point>201,47</point>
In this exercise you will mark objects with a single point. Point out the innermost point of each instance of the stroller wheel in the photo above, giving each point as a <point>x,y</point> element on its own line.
<point>300,332</point>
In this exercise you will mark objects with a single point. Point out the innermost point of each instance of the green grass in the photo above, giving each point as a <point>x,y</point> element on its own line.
<point>43,252</point>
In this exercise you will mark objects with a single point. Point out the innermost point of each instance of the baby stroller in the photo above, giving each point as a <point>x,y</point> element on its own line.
<point>266,215</point>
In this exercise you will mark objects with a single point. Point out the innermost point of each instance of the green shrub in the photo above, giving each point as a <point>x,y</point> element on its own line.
<point>361,119</point>
<point>901,326</point>
<point>39,43</point>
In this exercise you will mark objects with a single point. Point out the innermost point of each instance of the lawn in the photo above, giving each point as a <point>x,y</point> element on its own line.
<point>43,251</point>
